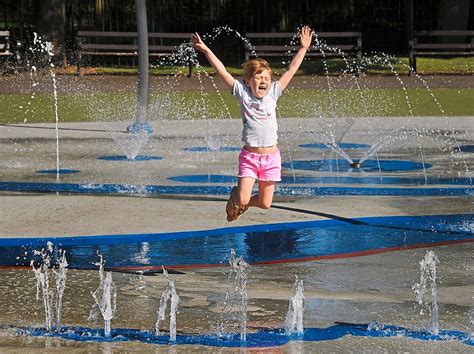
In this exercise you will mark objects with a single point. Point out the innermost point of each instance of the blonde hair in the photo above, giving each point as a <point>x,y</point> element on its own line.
<point>255,66</point>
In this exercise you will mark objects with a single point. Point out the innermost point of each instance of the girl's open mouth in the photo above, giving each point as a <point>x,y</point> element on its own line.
<point>262,89</point>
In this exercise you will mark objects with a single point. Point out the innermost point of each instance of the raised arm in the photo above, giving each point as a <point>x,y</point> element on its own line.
<point>306,36</point>
<point>213,60</point>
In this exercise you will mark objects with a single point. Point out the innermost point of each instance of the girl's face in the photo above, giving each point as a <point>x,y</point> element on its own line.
<point>260,83</point>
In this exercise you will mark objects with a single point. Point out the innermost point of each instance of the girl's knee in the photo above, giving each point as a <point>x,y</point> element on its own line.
<point>265,204</point>
<point>244,199</point>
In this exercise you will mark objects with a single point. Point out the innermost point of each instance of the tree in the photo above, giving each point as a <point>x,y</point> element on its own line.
<point>453,15</point>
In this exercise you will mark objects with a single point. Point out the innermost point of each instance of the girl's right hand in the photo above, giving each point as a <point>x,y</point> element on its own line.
<point>198,43</point>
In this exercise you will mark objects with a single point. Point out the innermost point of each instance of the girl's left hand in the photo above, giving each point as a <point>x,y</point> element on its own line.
<point>306,36</point>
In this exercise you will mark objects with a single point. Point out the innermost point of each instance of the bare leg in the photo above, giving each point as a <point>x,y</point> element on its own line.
<point>261,200</point>
<point>245,186</point>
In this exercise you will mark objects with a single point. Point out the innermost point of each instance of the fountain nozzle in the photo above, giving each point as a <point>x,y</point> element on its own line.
<point>355,164</point>
<point>140,127</point>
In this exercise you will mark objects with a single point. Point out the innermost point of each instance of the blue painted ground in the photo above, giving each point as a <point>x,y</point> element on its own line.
<point>344,146</point>
<point>261,338</point>
<point>114,188</point>
<point>342,165</point>
<point>61,171</point>
<point>270,243</point>
<point>407,181</point>
<point>207,149</point>
<point>125,158</point>
<point>466,148</point>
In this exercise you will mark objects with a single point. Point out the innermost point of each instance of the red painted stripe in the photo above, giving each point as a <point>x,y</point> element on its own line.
<point>15,267</point>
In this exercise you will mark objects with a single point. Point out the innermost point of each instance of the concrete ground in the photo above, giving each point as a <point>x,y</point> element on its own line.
<point>26,150</point>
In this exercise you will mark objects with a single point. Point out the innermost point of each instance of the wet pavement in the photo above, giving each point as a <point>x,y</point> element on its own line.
<point>169,198</point>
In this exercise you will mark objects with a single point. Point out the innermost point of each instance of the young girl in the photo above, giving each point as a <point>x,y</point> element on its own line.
<point>259,158</point>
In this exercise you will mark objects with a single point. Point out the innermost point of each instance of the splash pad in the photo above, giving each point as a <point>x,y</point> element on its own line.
<point>347,285</point>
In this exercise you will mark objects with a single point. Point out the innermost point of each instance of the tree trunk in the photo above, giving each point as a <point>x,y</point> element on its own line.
<point>51,26</point>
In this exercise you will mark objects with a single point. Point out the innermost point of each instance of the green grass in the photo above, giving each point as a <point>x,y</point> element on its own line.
<point>17,108</point>
<point>316,66</point>
<point>384,66</point>
<point>378,102</point>
<point>445,66</point>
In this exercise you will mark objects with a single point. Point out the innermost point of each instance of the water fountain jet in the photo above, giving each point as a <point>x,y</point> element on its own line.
<point>105,297</point>
<point>428,274</point>
<point>236,301</point>
<point>52,300</point>
<point>170,295</point>
<point>294,317</point>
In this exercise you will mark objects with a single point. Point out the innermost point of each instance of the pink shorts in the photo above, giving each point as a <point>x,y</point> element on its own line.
<point>263,167</point>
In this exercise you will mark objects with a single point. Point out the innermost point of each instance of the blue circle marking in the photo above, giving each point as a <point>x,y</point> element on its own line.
<point>344,146</point>
<point>341,165</point>
<point>407,181</point>
<point>111,188</point>
<point>204,179</point>
<point>61,171</point>
<point>125,158</point>
<point>465,148</point>
<point>208,149</point>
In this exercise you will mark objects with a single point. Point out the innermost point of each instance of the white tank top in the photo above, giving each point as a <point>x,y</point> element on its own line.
<point>258,115</point>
